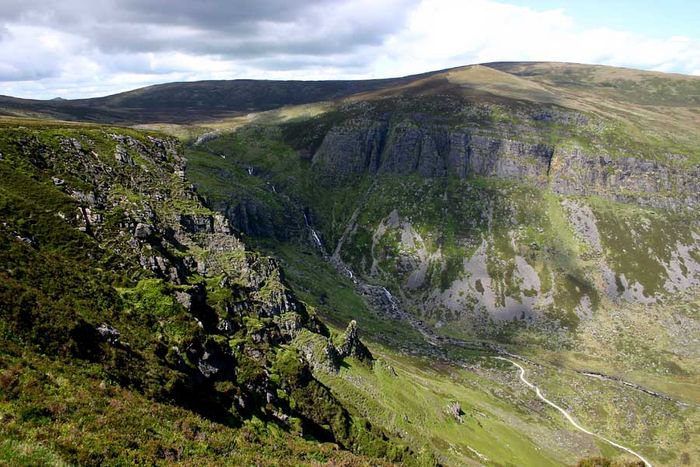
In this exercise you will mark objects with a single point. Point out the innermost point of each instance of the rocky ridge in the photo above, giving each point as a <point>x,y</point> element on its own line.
<point>223,322</point>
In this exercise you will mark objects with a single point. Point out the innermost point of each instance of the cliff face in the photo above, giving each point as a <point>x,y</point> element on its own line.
<point>378,147</point>
<point>477,222</point>
<point>462,246</point>
<point>403,148</point>
<point>472,210</point>
<point>627,179</point>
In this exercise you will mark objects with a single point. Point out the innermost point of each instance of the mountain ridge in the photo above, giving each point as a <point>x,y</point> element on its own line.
<point>547,213</point>
<point>225,99</point>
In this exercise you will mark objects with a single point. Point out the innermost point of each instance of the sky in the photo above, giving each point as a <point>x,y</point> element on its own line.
<point>87,48</point>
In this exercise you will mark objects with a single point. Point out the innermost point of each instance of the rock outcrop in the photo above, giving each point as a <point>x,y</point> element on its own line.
<point>627,179</point>
<point>432,151</point>
<point>352,346</point>
<point>360,146</point>
<point>187,314</point>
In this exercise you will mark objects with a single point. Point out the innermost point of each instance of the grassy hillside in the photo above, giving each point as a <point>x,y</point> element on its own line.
<point>411,386</point>
<point>546,210</point>
<point>136,328</point>
<point>455,218</point>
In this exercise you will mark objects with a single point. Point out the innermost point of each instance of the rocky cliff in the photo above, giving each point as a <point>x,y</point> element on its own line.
<point>478,212</point>
<point>108,255</point>
<point>414,145</point>
<point>659,184</point>
<point>485,201</point>
<point>355,148</point>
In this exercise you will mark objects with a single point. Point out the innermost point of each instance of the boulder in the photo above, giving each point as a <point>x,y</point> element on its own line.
<point>143,231</point>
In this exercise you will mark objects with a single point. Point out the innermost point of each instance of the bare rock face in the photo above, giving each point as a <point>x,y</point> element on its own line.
<point>584,224</point>
<point>122,155</point>
<point>320,353</point>
<point>626,179</point>
<point>195,223</point>
<point>378,147</point>
<point>143,231</point>
<point>454,409</point>
<point>432,151</point>
<point>352,148</point>
<point>410,148</point>
<point>252,218</point>
<point>108,333</point>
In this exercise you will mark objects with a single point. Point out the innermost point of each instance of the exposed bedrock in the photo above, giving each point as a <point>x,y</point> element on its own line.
<point>626,179</point>
<point>362,146</point>
<point>378,147</point>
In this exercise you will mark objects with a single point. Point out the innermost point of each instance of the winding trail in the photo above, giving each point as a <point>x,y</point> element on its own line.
<point>569,417</point>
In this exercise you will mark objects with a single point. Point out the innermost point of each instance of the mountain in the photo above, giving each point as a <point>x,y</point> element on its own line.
<point>188,101</point>
<point>550,208</point>
<point>482,196</point>
<point>541,213</point>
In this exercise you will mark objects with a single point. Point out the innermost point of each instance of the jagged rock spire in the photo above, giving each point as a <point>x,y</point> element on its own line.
<point>352,346</point>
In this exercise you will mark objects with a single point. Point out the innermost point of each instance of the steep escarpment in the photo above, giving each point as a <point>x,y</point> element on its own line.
<point>668,184</point>
<point>467,239</point>
<point>115,274</point>
<point>407,147</point>
<point>544,148</point>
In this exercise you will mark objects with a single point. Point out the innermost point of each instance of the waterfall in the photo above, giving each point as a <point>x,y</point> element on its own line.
<point>343,269</point>
<point>394,303</point>
<point>314,235</point>
<point>384,301</point>
<point>388,294</point>
<point>317,240</point>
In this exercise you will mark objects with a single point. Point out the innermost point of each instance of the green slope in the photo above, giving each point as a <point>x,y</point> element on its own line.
<point>448,213</point>
<point>136,328</point>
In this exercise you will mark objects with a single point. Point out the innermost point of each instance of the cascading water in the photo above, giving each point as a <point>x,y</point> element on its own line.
<point>316,238</point>
<point>343,269</point>
<point>314,235</point>
<point>383,300</point>
<point>390,297</point>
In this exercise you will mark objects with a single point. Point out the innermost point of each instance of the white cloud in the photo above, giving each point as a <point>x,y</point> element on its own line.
<point>34,53</point>
<point>445,33</point>
<point>43,57</point>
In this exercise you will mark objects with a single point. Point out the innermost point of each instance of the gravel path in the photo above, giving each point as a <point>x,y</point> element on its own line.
<point>569,417</point>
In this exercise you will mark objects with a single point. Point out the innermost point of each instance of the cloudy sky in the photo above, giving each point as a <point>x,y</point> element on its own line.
<point>84,48</point>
